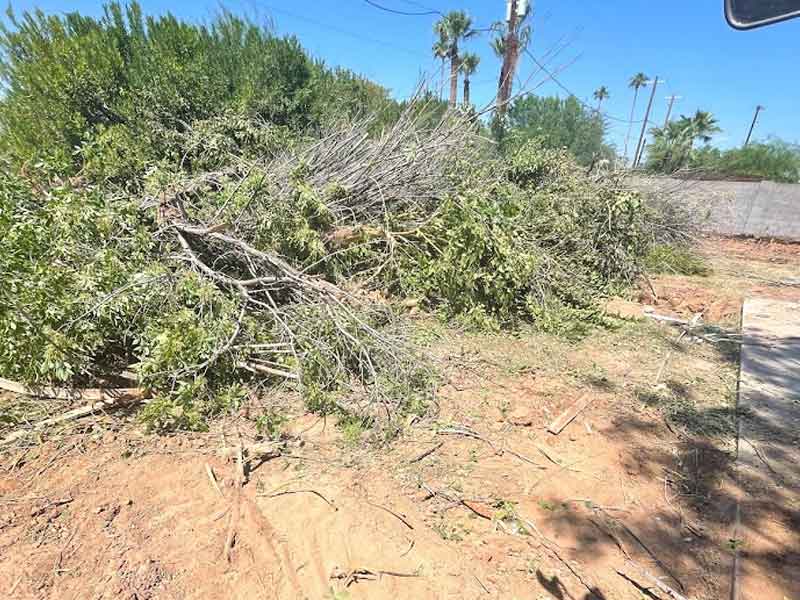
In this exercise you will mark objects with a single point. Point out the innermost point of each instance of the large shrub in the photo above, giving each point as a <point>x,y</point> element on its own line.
<point>124,84</point>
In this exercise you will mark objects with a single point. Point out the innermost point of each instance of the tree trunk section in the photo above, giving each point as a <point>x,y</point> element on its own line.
<point>466,91</point>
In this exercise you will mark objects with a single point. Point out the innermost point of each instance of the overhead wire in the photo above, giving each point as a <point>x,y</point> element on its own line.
<point>558,82</point>
<point>357,36</point>
<point>426,13</point>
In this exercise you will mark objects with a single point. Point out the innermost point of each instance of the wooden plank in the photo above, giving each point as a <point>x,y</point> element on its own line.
<point>568,415</point>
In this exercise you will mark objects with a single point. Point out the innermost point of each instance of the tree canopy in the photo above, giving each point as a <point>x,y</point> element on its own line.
<point>561,123</point>
<point>73,81</point>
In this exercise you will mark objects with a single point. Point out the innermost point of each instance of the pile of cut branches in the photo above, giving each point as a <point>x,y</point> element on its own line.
<point>277,265</point>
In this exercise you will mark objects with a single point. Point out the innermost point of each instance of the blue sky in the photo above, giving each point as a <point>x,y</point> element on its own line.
<point>686,42</point>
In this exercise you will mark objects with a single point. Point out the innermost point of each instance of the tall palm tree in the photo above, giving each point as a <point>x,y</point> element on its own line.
<point>637,82</point>
<point>453,28</point>
<point>601,94</point>
<point>440,51</point>
<point>469,64</point>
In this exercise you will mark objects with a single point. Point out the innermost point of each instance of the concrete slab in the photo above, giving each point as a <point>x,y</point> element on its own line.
<point>768,448</point>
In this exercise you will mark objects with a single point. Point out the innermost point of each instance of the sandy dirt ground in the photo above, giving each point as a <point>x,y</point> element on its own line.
<point>477,500</point>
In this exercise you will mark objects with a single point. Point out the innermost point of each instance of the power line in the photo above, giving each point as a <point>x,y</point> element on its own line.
<point>357,36</point>
<point>422,6</point>
<point>402,12</point>
<point>571,93</point>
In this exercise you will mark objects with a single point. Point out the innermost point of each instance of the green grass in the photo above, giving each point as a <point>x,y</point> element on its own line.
<point>675,260</point>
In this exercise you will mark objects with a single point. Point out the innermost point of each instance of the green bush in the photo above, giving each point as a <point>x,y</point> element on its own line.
<point>675,260</point>
<point>774,160</point>
<point>111,93</point>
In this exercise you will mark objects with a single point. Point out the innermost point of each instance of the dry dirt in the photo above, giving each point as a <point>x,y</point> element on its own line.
<point>642,475</point>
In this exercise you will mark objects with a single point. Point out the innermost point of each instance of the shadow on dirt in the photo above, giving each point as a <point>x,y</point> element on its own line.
<point>688,536</point>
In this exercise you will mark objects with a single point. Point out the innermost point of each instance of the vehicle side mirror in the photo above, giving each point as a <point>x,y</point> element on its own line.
<point>748,14</point>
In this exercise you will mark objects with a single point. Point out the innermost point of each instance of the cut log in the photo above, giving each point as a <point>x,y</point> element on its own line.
<point>88,395</point>
<point>568,415</point>
<point>101,399</point>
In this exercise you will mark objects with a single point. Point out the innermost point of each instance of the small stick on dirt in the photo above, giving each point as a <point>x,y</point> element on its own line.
<point>399,517</point>
<point>568,415</point>
<point>287,492</point>
<point>357,575</point>
<point>658,561</point>
<point>467,432</point>
<point>410,548</point>
<point>454,499</point>
<point>642,588</point>
<point>657,582</point>
<point>426,454</point>
<point>480,583</point>
<point>213,479</point>
<point>52,503</point>
<point>525,459</point>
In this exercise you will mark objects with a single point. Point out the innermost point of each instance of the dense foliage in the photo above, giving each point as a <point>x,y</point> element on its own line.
<point>774,160</point>
<point>560,123</point>
<point>127,84</point>
<point>673,147</point>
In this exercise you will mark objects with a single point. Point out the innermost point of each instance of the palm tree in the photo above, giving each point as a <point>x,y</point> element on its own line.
<point>601,94</point>
<point>637,81</point>
<point>672,146</point>
<point>704,125</point>
<point>440,51</point>
<point>453,28</point>
<point>469,64</point>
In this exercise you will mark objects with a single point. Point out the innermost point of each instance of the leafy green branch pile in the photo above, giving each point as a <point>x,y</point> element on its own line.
<point>240,252</point>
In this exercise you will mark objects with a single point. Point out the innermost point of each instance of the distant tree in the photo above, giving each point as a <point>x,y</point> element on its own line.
<point>454,28</point>
<point>469,64</point>
<point>672,147</point>
<point>601,94</point>
<point>637,82</point>
<point>774,160</point>
<point>560,123</point>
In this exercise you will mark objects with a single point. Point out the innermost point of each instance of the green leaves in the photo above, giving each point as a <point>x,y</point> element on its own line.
<point>111,96</point>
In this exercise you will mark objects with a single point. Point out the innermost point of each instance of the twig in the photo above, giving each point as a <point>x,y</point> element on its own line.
<point>655,580</point>
<point>480,583</point>
<point>213,479</point>
<point>399,517</point>
<point>466,432</point>
<point>287,492</point>
<point>426,454</point>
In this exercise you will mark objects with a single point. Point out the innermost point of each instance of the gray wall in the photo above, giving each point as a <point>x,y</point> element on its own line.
<point>758,209</point>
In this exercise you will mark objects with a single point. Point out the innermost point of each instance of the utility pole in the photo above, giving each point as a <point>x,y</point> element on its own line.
<point>640,146</point>
<point>669,110</point>
<point>759,108</point>
<point>515,13</point>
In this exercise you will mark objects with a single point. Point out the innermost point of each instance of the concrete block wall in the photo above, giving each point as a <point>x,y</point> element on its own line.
<point>758,209</point>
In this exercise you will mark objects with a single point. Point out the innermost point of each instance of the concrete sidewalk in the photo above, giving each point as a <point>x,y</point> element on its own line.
<point>768,448</point>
